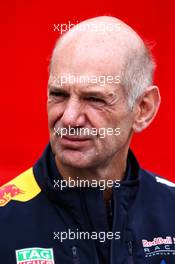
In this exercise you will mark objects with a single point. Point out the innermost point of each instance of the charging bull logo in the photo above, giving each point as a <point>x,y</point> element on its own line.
<point>8,192</point>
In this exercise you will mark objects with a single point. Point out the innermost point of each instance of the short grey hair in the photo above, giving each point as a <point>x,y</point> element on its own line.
<point>137,73</point>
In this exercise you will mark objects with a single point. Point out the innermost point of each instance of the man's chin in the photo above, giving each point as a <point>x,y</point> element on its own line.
<point>75,159</point>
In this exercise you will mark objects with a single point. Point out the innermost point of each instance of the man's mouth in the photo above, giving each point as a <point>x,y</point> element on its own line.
<point>74,141</point>
<point>74,138</point>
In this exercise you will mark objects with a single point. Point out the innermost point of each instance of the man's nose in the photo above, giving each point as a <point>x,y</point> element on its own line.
<point>73,114</point>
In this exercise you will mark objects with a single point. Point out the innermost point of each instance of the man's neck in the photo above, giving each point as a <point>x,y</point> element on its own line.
<point>113,170</point>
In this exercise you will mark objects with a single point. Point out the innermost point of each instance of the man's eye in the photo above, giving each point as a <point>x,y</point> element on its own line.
<point>58,94</point>
<point>95,100</point>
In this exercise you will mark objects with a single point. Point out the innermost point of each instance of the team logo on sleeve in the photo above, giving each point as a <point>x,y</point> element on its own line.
<point>35,256</point>
<point>8,192</point>
<point>159,246</point>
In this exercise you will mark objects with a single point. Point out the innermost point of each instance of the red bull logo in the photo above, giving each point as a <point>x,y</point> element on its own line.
<point>8,192</point>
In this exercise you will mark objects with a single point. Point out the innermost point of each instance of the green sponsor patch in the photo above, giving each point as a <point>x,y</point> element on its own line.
<point>35,256</point>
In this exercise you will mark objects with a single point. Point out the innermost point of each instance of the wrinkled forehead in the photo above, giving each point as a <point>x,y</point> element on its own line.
<point>100,53</point>
<point>94,53</point>
<point>83,60</point>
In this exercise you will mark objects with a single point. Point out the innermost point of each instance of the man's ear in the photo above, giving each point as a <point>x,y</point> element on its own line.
<point>146,108</point>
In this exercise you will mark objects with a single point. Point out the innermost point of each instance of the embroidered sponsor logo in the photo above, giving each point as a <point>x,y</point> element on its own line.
<point>159,246</point>
<point>8,192</point>
<point>35,256</point>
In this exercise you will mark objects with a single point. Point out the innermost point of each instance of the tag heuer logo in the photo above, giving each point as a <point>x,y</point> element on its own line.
<point>35,256</point>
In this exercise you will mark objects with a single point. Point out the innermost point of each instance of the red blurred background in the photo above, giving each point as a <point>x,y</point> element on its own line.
<point>26,44</point>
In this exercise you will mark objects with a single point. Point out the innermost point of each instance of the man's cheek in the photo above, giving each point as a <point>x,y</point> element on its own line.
<point>53,116</point>
<point>94,114</point>
<point>51,121</point>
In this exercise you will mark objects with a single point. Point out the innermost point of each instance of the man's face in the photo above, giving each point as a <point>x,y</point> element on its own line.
<point>87,105</point>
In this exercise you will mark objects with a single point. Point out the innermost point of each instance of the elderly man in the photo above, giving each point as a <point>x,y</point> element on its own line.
<point>87,200</point>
